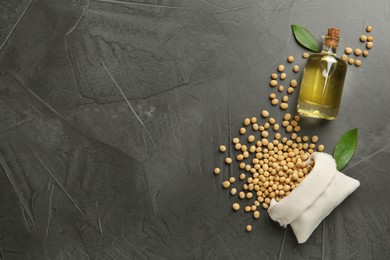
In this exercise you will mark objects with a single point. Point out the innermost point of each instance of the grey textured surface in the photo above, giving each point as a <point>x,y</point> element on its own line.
<point>112,112</point>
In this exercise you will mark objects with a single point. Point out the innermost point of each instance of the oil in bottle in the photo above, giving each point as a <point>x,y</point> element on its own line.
<point>323,81</point>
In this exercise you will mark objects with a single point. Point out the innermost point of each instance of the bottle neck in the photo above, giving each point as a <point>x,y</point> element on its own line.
<point>329,49</point>
<point>330,44</point>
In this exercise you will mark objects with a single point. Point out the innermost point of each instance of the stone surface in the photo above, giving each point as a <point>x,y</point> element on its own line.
<point>112,112</point>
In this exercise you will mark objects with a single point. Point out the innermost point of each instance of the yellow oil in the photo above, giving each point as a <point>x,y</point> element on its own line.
<point>322,86</point>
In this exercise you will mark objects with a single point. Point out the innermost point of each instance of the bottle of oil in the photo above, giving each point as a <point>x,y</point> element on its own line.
<point>323,80</point>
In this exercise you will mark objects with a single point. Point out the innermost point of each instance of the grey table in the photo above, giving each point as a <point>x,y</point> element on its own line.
<point>112,112</point>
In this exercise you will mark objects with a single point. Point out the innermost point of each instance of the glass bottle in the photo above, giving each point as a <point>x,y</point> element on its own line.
<point>323,80</point>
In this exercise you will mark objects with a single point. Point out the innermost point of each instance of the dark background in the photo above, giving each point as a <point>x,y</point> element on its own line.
<point>112,112</point>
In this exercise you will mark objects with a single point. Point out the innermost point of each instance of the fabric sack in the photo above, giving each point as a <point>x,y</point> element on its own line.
<point>314,198</point>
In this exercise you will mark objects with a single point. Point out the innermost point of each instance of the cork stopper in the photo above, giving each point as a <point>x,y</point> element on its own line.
<point>334,32</point>
<point>332,38</point>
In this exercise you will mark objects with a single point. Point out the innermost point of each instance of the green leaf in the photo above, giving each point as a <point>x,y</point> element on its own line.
<point>345,148</point>
<point>305,38</point>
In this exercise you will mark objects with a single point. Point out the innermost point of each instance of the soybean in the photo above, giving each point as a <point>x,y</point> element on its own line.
<point>285,123</point>
<point>358,63</point>
<point>287,116</point>
<point>284,106</point>
<point>264,113</point>
<point>273,83</point>
<point>321,148</point>
<point>236,206</point>
<point>248,228</point>
<point>358,52</point>
<point>226,184</point>
<point>348,50</point>
<point>293,83</point>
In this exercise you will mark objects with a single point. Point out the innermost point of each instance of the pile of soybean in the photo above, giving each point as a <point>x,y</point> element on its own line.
<point>271,165</point>
<point>271,157</point>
